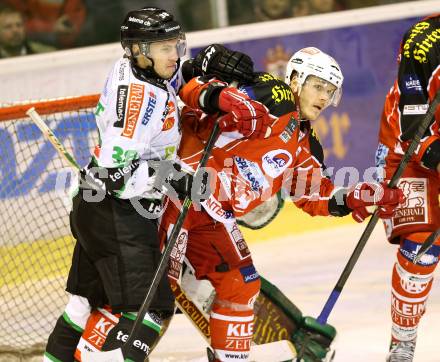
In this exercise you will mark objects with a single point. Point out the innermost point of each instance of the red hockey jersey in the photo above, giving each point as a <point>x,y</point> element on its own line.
<point>417,83</point>
<point>248,172</point>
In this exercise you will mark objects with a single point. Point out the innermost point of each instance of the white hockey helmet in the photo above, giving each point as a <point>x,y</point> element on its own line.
<point>312,61</point>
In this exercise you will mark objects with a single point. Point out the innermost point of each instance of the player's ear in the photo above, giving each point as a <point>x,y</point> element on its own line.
<point>294,83</point>
<point>135,50</point>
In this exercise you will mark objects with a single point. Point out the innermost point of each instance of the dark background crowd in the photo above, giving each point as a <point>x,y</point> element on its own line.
<point>36,26</point>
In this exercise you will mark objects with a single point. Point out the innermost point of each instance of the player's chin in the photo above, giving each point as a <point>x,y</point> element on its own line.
<point>171,69</point>
<point>313,114</point>
<point>167,73</point>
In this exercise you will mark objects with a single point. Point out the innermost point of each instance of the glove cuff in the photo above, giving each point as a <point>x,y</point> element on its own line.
<point>210,98</point>
<point>337,205</point>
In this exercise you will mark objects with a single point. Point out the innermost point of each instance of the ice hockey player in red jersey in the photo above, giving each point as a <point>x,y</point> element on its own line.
<point>249,166</point>
<point>417,83</point>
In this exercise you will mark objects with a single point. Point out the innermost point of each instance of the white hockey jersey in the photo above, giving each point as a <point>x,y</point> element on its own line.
<point>136,120</point>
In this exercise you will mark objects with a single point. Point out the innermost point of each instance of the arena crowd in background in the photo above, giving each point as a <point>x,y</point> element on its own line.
<point>35,26</point>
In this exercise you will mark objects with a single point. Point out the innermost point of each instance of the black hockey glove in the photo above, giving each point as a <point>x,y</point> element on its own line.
<point>198,189</point>
<point>431,157</point>
<point>175,183</point>
<point>225,64</point>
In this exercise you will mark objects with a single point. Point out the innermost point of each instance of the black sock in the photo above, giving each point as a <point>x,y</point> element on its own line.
<point>63,340</point>
<point>141,346</point>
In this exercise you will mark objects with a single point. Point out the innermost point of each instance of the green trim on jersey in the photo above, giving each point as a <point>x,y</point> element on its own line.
<point>147,322</point>
<point>52,358</point>
<point>72,324</point>
<point>96,164</point>
<point>118,193</point>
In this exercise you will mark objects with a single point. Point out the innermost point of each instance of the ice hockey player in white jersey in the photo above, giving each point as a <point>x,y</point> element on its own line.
<point>117,247</point>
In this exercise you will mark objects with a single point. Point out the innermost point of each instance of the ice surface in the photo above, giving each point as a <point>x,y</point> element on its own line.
<point>306,267</point>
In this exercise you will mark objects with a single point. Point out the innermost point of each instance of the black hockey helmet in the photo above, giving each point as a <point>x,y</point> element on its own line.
<point>149,24</point>
<point>146,26</point>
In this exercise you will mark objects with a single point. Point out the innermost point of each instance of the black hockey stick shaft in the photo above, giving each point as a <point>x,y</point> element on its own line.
<point>430,240</point>
<point>163,263</point>
<point>331,301</point>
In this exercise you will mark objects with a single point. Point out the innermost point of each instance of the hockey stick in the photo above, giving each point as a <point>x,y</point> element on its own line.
<point>47,132</point>
<point>426,245</point>
<point>271,350</point>
<point>276,351</point>
<point>281,350</point>
<point>331,301</point>
<point>117,355</point>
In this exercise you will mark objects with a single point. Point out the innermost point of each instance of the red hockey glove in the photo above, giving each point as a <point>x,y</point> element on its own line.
<point>249,117</point>
<point>366,194</point>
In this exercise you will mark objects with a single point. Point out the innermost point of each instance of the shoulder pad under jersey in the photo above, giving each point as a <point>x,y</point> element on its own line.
<point>316,147</point>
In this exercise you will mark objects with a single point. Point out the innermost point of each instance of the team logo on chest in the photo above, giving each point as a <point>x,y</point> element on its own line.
<point>276,162</point>
<point>169,120</point>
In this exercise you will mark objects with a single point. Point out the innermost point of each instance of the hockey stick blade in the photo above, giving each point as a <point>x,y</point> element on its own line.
<point>116,355</point>
<point>331,301</point>
<point>426,245</point>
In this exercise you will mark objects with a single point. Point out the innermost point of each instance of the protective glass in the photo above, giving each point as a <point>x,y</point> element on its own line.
<point>164,49</point>
<point>323,88</point>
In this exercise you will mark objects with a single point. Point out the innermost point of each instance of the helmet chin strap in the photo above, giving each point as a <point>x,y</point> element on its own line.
<point>296,94</point>
<point>147,72</point>
<point>296,98</point>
